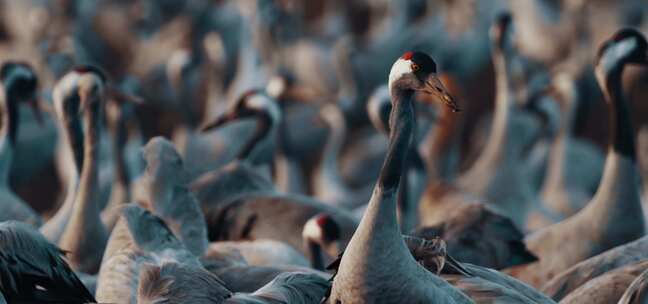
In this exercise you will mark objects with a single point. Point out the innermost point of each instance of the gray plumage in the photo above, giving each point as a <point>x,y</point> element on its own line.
<point>164,192</point>
<point>286,288</point>
<point>19,84</point>
<point>151,234</point>
<point>616,207</point>
<point>79,98</point>
<point>119,276</point>
<point>272,216</point>
<point>376,266</point>
<point>154,266</point>
<point>328,186</point>
<point>490,286</point>
<point>475,234</point>
<point>248,278</point>
<point>216,187</point>
<point>607,288</point>
<point>569,280</point>
<point>245,173</point>
<point>176,283</point>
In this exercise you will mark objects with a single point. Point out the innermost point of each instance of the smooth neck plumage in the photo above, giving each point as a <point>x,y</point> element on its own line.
<point>621,136</point>
<point>84,234</point>
<point>85,200</point>
<point>401,133</point>
<point>497,142</point>
<point>383,207</point>
<point>378,238</point>
<point>119,138</point>
<point>618,192</point>
<point>72,132</point>
<point>256,148</point>
<point>69,124</point>
<point>407,210</point>
<point>316,258</point>
<point>558,161</point>
<point>9,134</point>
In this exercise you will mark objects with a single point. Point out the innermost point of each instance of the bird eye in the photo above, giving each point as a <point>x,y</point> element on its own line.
<point>415,67</point>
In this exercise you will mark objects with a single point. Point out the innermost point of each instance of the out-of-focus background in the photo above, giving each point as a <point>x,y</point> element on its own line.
<point>188,59</point>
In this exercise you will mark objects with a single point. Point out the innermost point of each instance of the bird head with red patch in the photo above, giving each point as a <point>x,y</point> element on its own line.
<point>417,71</point>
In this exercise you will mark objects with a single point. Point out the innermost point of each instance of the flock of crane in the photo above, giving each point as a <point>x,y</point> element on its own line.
<point>340,152</point>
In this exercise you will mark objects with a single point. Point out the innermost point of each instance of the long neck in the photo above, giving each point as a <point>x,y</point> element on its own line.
<point>497,143</point>
<point>400,137</point>
<point>85,205</point>
<point>503,107</point>
<point>255,145</point>
<point>558,162</point>
<point>69,125</point>
<point>381,212</point>
<point>617,197</point>
<point>402,197</point>
<point>618,189</point>
<point>316,258</point>
<point>621,135</point>
<point>72,133</point>
<point>9,133</point>
<point>73,137</point>
<point>119,138</point>
<point>406,199</point>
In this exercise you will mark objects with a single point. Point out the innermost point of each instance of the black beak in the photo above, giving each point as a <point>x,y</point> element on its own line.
<point>122,97</point>
<point>435,87</point>
<point>221,120</point>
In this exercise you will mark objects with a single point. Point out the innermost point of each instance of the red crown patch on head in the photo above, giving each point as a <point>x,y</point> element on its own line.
<point>407,55</point>
<point>91,69</point>
<point>322,219</point>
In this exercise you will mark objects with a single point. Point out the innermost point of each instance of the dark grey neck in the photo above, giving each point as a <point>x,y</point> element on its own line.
<point>264,124</point>
<point>92,123</point>
<point>10,118</point>
<point>315,251</point>
<point>89,171</point>
<point>120,136</point>
<point>416,163</point>
<point>621,135</point>
<point>75,135</point>
<point>402,196</point>
<point>72,125</point>
<point>402,124</point>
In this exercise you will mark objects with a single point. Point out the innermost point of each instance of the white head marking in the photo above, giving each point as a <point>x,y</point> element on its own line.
<point>276,86</point>
<point>618,51</point>
<point>263,103</point>
<point>312,230</point>
<point>62,89</point>
<point>400,68</point>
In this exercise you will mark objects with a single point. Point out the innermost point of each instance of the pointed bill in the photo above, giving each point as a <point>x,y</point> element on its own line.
<point>435,87</point>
